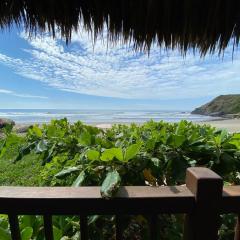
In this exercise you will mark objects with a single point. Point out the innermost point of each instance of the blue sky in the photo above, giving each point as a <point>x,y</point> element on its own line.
<point>45,73</point>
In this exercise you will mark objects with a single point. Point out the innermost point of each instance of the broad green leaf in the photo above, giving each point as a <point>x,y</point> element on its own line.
<point>197,142</point>
<point>41,146</point>
<point>5,235</point>
<point>78,182</point>
<point>66,172</point>
<point>93,155</point>
<point>156,162</point>
<point>224,135</point>
<point>56,129</point>
<point>23,151</point>
<point>92,219</point>
<point>181,128</point>
<point>236,143</point>
<point>57,233</point>
<point>236,136</point>
<point>111,153</point>
<point>26,233</point>
<point>85,138</point>
<point>110,184</point>
<point>235,140</point>
<point>3,221</point>
<point>132,151</point>
<point>176,168</point>
<point>27,221</point>
<point>119,154</point>
<point>163,134</point>
<point>150,144</point>
<point>36,130</point>
<point>176,140</point>
<point>2,144</point>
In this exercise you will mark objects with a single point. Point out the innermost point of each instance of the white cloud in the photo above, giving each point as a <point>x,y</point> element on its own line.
<point>21,95</point>
<point>5,91</point>
<point>117,71</point>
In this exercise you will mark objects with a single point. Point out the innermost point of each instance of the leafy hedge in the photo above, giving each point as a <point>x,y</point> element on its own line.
<point>155,154</point>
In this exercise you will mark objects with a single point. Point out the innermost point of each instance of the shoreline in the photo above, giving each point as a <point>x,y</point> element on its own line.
<point>232,125</point>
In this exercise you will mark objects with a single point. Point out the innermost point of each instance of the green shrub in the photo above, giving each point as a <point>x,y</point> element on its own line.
<point>154,154</point>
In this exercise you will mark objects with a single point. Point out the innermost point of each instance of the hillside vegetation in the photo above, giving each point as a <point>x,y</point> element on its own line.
<point>221,106</point>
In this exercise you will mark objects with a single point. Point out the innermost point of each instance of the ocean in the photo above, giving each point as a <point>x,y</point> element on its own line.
<point>99,116</point>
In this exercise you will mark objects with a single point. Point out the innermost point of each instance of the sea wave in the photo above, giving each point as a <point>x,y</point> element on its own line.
<point>99,116</point>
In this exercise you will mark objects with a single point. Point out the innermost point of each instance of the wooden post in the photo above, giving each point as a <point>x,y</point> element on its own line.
<point>237,229</point>
<point>203,222</point>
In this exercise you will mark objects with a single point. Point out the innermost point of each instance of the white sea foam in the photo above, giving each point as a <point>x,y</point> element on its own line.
<point>99,116</point>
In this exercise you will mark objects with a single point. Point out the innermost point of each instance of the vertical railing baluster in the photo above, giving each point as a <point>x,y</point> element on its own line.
<point>237,229</point>
<point>119,227</point>
<point>83,227</point>
<point>14,227</point>
<point>153,227</point>
<point>48,227</point>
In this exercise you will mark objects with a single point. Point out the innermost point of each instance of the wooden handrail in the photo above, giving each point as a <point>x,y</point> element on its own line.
<point>87,200</point>
<point>203,199</point>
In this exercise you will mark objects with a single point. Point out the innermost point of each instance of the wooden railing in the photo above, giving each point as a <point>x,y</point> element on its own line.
<point>203,199</point>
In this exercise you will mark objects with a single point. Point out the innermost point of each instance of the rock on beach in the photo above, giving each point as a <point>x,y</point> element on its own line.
<point>4,122</point>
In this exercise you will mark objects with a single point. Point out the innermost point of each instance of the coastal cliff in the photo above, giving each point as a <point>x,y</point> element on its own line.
<point>222,106</point>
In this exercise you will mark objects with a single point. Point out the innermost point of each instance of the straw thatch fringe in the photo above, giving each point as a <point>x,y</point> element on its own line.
<point>207,25</point>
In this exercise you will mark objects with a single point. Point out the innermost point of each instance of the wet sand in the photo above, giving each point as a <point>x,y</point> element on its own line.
<point>232,125</point>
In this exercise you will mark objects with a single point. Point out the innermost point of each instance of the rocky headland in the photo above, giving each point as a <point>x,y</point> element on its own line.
<point>226,106</point>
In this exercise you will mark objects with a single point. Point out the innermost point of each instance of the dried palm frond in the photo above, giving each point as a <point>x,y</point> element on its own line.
<point>207,25</point>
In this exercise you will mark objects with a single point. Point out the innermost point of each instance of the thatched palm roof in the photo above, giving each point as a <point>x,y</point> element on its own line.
<point>204,24</point>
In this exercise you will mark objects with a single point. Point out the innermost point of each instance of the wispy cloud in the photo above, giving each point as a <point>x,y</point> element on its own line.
<point>5,91</point>
<point>117,71</point>
<point>21,95</point>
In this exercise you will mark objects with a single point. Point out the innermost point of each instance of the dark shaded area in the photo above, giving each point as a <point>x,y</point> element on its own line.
<point>186,24</point>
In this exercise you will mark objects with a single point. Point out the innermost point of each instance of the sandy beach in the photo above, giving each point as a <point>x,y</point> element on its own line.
<point>232,125</point>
